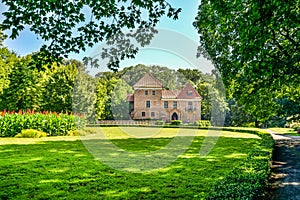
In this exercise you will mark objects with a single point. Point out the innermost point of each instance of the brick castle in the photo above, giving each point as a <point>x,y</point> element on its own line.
<point>151,101</point>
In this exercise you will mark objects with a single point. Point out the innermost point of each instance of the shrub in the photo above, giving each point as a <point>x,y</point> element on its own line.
<point>202,123</point>
<point>76,133</point>
<point>83,132</point>
<point>52,123</point>
<point>159,122</point>
<point>295,126</point>
<point>31,133</point>
<point>248,180</point>
<point>176,122</point>
<point>90,130</point>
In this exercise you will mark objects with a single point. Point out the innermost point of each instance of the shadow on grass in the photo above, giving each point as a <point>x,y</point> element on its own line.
<point>66,170</point>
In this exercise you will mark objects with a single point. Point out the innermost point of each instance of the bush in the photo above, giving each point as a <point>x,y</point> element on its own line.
<point>31,133</point>
<point>53,124</point>
<point>159,122</point>
<point>83,132</point>
<point>90,130</point>
<point>76,133</point>
<point>202,123</point>
<point>176,122</point>
<point>250,179</point>
<point>295,126</point>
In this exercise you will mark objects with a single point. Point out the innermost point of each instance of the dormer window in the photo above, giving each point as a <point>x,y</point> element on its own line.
<point>190,93</point>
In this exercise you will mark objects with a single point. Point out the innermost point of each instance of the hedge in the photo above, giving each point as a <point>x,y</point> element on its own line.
<point>176,122</point>
<point>250,179</point>
<point>202,123</point>
<point>31,133</point>
<point>53,124</point>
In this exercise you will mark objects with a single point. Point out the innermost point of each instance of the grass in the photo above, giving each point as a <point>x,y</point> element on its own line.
<point>285,131</point>
<point>62,168</point>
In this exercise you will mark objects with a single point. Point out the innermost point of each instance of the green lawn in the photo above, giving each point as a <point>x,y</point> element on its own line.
<point>285,131</point>
<point>62,168</point>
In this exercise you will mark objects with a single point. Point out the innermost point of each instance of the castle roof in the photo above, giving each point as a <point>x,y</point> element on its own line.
<point>148,81</point>
<point>188,92</point>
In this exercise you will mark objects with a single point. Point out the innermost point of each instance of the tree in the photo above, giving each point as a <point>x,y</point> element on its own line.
<point>84,95</point>
<point>26,86</point>
<point>101,93</point>
<point>57,95</point>
<point>71,26</point>
<point>193,75</point>
<point>119,104</point>
<point>255,46</point>
<point>7,61</point>
<point>2,37</point>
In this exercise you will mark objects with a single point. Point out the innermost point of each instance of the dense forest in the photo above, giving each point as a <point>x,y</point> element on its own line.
<point>67,87</point>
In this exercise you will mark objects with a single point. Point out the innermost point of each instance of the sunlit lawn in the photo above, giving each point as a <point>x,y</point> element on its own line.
<point>62,168</point>
<point>285,131</point>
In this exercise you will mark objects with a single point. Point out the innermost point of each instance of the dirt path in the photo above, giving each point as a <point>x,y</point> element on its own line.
<point>285,180</point>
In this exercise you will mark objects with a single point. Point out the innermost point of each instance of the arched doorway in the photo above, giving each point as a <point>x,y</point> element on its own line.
<point>174,116</point>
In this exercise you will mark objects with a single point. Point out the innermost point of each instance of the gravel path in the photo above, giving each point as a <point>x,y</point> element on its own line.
<point>285,180</point>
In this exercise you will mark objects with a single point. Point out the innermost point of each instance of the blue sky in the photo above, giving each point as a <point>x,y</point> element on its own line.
<point>27,42</point>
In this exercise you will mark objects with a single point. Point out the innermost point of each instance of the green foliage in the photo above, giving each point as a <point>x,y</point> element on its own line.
<point>26,86</point>
<point>240,117</point>
<point>53,124</point>
<point>2,37</point>
<point>295,126</point>
<point>82,132</point>
<point>104,91</point>
<point>255,46</point>
<point>202,123</point>
<point>159,122</point>
<point>213,104</point>
<point>119,104</point>
<point>31,133</point>
<point>176,122</point>
<point>84,96</point>
<point>90,130</point>
<point>76,133</point>
<point>7,61</point>
<point>67,27</point>
<point>248,180</point>
<point>58,89</point>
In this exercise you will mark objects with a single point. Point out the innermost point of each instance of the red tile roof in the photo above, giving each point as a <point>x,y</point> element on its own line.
<point>168,94</point>
<point>188,92</point>
<point>148,81</point>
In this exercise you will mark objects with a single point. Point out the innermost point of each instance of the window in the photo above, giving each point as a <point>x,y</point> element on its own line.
<point>190,105</point>
<point>166,104</point>
<point>175,104</point>
<point>190,93</point>
<point>146,92</point>
<point>152,114</point>
<point>147,104</point>
<point>153,92</point>
<point>143,114</point>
